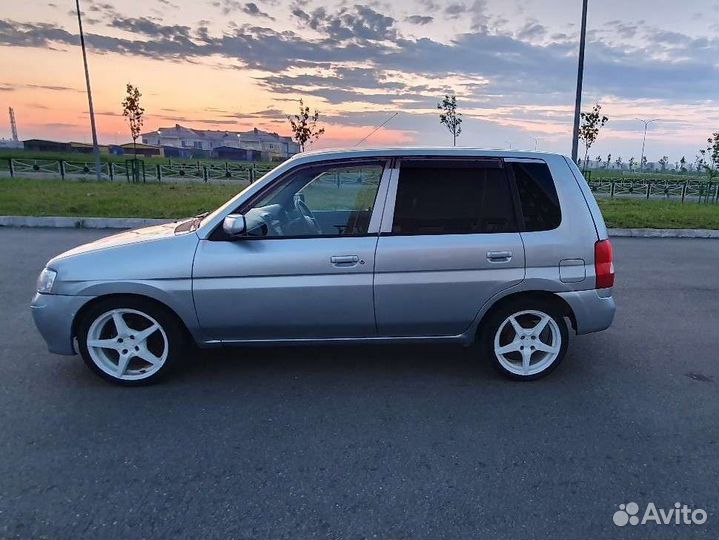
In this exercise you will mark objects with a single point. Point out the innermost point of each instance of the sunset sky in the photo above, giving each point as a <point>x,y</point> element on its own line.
<point>231,64</point>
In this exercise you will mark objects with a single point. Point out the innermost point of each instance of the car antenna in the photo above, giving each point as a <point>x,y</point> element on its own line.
<point>376,129</point>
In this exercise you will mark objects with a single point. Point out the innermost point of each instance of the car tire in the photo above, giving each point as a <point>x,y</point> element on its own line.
<point>526,339</point>
<point>130,341</point>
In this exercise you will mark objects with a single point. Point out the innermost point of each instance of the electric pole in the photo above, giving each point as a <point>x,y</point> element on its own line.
<point>13,125</point>
<point>580,79</point>
<point>644,139</point>
<point>95,147</point>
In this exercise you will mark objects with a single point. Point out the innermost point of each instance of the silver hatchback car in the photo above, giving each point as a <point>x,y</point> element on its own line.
<point>497,249</point>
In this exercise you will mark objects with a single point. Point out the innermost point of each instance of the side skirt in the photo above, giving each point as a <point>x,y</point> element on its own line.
<point>462,339</point>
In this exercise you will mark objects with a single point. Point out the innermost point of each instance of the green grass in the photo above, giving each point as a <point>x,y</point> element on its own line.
<point>633,213</point>
<point>610,174</point>
<point>25,197</point>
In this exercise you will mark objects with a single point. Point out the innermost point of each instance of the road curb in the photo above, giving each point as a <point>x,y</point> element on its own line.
<point>134,223</point>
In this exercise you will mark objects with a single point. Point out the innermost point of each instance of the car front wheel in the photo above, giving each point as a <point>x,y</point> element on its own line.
<point>526,340</point>
<point>129,342</point>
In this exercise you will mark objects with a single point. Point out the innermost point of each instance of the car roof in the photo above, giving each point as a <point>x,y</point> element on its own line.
<point>415,151</point>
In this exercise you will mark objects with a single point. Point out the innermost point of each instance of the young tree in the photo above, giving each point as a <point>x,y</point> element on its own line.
<point>304,126</point>
<point>592,122</point>
<point>133,112</point>
<point>598,161</point>
<point>643,164</point>
<point>619,163</point>
<point>683,164</point>
<point>630,163</point>
<point>663,163</point>
<point>450,117</point>
<point>608,162</point>
<point>710,156</point>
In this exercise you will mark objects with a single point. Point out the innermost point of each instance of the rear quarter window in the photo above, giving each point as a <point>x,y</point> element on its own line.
<point>537,195</point>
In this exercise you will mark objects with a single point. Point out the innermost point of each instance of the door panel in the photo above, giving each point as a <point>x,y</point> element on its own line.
<point>435,284</point>
<point>285,288</point>
<point>304,270</point>
<point>448,243</point>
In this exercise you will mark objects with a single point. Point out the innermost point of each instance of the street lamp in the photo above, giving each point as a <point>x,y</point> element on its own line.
<point>95,148</point>
<point>644,139</point>
<point>580,79</point>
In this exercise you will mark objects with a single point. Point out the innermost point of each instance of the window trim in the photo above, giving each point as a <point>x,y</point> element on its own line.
<point>518,201</point>
<point>218,234</point>
<point>388,216</point>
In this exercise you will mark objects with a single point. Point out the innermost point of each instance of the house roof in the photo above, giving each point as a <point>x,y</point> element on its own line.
<point>218,135</point>
<point>139,146</point>
<point>43,141</point>
<point>233,149</point>
<point>266,136</point>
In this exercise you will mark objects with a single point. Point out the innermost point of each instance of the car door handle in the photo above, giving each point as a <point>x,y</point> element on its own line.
<point>499,256</point>
<point>344,260</point>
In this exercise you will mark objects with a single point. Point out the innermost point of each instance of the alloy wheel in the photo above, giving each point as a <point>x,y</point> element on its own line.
<point>127,344</point>
<point>527,342</point>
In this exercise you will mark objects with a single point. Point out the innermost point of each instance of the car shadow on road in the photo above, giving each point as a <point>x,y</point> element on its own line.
<point>429,365</point>
<point>454,364</point>
<point>374,360</point>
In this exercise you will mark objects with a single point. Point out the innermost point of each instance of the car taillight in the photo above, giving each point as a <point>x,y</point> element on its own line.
<point>604,264</point>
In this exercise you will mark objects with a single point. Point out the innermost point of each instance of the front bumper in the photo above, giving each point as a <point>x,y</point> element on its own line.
<point>53,315</point>
<point>593,309</point>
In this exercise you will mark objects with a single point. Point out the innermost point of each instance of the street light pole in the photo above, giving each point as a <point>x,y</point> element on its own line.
<point>644,139</point>
<point>95,147</point>
<point>580,79</point>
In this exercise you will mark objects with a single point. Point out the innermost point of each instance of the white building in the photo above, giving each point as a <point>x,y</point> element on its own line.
<point>272,145</point>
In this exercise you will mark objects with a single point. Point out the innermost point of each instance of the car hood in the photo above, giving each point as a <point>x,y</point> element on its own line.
<point>135,236</point>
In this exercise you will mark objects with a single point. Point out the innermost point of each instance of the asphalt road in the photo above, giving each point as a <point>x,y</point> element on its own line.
<point>371,441</point>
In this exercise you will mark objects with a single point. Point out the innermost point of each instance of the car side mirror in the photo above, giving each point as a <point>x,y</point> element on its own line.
<point>235,225</point>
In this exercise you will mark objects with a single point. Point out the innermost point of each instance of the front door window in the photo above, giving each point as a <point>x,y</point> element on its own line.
<point>334,200</point>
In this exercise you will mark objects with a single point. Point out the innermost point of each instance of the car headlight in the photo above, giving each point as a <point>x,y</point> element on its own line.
<point>46,280</point>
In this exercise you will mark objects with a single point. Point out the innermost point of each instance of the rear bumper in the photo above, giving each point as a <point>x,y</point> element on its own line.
<point>53,315</point>
<point>593,309</point>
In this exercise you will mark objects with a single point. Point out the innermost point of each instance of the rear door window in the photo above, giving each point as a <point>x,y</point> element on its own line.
<point>453,197</point>
<point>537,195</point>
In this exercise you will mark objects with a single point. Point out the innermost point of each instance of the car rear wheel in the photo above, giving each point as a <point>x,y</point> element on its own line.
<point>130,341</point>
<point>526,340</point>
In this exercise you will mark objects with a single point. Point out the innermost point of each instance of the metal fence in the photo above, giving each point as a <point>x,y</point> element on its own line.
<point>135,171</point>
<point>691,190</point>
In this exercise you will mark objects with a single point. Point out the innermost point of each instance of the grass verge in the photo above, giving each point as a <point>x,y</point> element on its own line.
<point>640,214</point>
<point>25,197</point>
